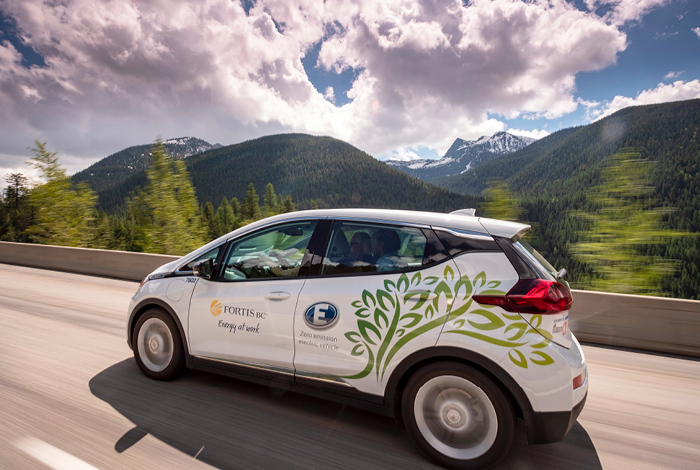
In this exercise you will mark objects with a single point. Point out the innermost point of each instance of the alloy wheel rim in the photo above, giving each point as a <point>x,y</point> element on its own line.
<point>456,417</point>
<point>155,344</point>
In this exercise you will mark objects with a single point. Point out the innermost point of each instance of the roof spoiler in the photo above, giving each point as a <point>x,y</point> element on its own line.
<point>467,212</point>
<point>501,228</point>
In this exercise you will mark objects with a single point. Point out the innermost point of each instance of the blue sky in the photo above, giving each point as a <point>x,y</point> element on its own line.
<point>396,78</point>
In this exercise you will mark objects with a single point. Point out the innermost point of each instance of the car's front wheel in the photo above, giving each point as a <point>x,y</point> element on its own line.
<point>158,346</point>
<point>458,416</point>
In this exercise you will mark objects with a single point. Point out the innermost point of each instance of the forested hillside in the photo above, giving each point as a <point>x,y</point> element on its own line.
<point>553,176</point>
<point>120,166</point>
<point>323,170</point>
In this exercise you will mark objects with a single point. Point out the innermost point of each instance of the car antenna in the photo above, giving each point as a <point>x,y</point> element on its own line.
<point>467,212</point>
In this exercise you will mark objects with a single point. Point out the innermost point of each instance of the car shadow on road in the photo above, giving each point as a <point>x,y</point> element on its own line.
<point>231,424</point>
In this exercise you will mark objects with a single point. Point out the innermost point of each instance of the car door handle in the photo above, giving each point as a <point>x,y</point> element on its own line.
<point>416,295</point>
<point>277,295</point>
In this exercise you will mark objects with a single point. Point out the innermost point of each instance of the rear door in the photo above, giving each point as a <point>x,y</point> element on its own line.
<point>378,294</point>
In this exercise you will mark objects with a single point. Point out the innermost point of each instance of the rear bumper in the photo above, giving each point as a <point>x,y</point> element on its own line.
<point>547,427</point>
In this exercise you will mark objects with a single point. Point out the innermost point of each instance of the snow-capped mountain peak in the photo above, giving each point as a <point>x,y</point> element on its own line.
<point>464,155</point>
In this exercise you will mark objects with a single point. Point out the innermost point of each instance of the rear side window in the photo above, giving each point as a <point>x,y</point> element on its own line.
<point>355,247</point>
<point>536,261</point>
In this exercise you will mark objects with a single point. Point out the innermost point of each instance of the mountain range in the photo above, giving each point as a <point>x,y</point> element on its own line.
<point>328,171</point>
<point>463,156</point>
<point>113,170</point>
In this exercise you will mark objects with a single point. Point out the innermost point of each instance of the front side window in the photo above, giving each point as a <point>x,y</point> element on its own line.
<point>364,248</point>
<point>275,252</point>
<point>211,254</point>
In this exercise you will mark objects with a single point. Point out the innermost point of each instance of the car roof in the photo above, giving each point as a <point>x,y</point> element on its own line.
<point>454,221</point>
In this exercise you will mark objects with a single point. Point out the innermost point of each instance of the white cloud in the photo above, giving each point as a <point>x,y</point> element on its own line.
<point>696,31</point>
<point>619,12</point>
<point>663,93</point>
<point>665,35</point>
<point>673,74</point>
<point>329,94</point>
<point>120,73</point>
<point>533,134</point>
<point>403,154</point>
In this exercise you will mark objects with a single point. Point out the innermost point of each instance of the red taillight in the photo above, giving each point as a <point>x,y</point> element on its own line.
<point>578,380</point>
<point>532,296</point>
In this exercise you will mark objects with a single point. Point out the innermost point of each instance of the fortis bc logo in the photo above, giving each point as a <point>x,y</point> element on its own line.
<point>215,308</point>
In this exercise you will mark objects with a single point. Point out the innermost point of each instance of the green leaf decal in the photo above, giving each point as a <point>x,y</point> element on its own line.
<point>415,280</point>
<point>430,280</point>
<point>378,316</point>
<point>389,285</point>
<point>459,323</point>
<point>519,333</point>
<point>541,344</point>
<point>400,333</point>
<point>519,360</point>
<point>368,368</point>
<point>449,274</point>
<point>361,313</point>
<point>356,304</point>
<point>382,296</point>
<point>423,298</point>
<point>403,281</point>
<point>429,312</point>
<point>494,321</point>
<point>492,292</point>
<point>546,360</point>
<point>494,284</point>
<point>480,279</point>
<point>513,316</point>
<point>445,290</point>
<point>363,326</point>
<point>414,317</point>
<point>358,350</point>
<point>467,284</point>
<point>350,334</point>
<point>536,321</point>
<point>488,339</point>
<point>366,295</point>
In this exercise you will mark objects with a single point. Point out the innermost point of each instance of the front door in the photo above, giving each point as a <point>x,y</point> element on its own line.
<point>246,314</point>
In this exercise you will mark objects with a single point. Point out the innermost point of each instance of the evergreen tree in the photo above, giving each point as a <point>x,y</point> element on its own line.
<point>211,221</point>
<point>226,217</point>
<point>167,209</point>
<point>624,223</point>
<point>236,207</point>
<point>270,201</point>
<point>287,204</point>
<point>314,204</point>
<point>252,202</point>
<point>16,213</point>
<point>64,211</point>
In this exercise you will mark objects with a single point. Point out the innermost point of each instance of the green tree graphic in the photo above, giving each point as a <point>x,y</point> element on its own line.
<point>391,317</point>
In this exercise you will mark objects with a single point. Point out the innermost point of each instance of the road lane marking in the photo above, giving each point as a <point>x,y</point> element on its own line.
<point>51,456</point>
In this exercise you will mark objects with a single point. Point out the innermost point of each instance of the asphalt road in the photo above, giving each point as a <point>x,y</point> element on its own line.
<point>71,397</point>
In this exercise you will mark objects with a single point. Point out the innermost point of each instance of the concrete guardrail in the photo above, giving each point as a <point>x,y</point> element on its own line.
<point>630,321</point>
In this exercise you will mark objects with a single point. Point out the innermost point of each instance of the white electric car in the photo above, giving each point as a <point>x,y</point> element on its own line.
<point>448,322</point>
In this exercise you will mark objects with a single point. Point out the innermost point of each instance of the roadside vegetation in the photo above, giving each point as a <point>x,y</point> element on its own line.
<point>162,217</point>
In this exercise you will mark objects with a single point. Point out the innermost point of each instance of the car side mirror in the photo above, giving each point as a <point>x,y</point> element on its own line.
<point>204,269</point>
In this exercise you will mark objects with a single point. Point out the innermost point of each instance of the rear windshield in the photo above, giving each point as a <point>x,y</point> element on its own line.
<point>541,266</point>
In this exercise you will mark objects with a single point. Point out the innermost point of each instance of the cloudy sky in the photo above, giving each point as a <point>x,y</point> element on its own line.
<point>397,79</point>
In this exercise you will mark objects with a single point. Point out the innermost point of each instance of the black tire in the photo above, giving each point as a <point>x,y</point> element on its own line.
<point>171,365</point>
<point>443,386</point>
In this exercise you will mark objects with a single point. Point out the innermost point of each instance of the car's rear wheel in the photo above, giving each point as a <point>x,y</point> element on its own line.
<point>458,416</point>
<point>158,346</point>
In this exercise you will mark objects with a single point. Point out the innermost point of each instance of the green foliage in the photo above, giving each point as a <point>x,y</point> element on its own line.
<point>270,206</point>
<point>624,222</point>
<point>252,204</point>
<point>16,212</point>
<point>499,203</point>
<point>166,210</point>
<point>64,211</point>
<point>226,217</point>
<point>287,205</point>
